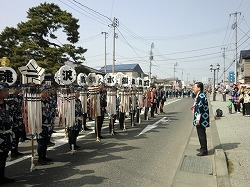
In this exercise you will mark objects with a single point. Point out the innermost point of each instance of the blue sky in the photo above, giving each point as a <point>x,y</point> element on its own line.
<point>190,33</point>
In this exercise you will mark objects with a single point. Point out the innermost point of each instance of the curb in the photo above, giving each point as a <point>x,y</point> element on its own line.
<point>221,168</point>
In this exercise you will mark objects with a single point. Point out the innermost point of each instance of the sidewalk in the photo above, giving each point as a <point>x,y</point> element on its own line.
<point>207,171</point>
<point>234,134</point>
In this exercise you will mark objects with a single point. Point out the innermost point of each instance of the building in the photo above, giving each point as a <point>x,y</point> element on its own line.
<point>169,83</point>
<point>244,67</point>
<point>132,70</point>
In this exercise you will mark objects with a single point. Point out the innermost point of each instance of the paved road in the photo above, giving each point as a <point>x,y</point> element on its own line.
<point>145,155</point>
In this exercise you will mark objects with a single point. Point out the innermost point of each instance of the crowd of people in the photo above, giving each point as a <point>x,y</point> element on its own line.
<point>239,100</point>
<point>13,117</point>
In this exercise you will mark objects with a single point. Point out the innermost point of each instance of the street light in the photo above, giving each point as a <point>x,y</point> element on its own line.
<point>214,69</point>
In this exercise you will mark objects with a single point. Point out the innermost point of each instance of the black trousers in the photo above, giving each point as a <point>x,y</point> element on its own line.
<point>84,120</point>
<point>237,107</point>
<point>121,119</point>
<point>42,142</point>
<point>99,125</point>
<point>16,138</point>
<point>201,131</point>
<point>138,112</point>
<point>146,113</point>
<point>153,108</point>
<point>72,136</point>
<point>3,158</point>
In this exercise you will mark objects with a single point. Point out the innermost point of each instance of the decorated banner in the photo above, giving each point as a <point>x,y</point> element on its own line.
<point>139,82</point>
<point>125,81</point>
<point>66,75</point>
<point>146,82</point>
<point>8,75</point>
<point>81,79</point>
<point>132,82</point>
<point>110,79</point>
<point>92,79</point>
<point>100,79</point>
<point>32,73</point>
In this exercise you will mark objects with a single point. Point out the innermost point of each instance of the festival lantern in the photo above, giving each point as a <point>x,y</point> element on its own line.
<point>8,75</point>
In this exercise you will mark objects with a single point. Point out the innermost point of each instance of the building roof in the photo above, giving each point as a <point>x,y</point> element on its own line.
<point>123,67</point>
<point>245,54</point>
<point>92,70</point>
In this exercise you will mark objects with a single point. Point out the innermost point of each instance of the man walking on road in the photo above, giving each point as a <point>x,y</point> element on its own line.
<point>201,117</point>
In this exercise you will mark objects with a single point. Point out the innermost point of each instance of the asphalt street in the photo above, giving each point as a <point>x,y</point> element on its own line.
<point>147,154</point>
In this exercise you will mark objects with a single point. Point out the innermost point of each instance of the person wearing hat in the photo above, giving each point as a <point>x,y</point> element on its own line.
<point>6,123</point>
<point>44,137</point>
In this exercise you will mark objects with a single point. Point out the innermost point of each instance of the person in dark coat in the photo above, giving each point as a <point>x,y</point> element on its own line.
<point>74,130</point>
<point>6,124</point>
<point>201,117</point>
<point>43,138</point>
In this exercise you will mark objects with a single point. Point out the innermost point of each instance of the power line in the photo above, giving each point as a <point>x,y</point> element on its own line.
<point>98,13</point>
<point>193,50</point>
<point>130,45</point>
<point>193,35</point>
<point>99,21</point>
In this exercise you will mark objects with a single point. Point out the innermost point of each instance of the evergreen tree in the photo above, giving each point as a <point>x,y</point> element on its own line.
<point>37,39</point>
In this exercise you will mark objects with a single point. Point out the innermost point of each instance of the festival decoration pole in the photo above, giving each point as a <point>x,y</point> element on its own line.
<point>65,76</point>
<point>32,75</point>
<point>146,86</point>
<point>93,80</point>
<point>133,98</point>
<point>81,81</point>
<point>110,80</point>
<point>124,82</point>
<point>140,96</point>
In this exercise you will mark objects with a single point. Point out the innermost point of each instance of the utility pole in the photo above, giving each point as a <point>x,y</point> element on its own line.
<point>182,74</point>
<point>114,25</point>
<point>187,76</point>
<point>234,27</point>
<point>151,57</point>
<point>105,67</point>
<point>224,60</point>
<point>174,69</point>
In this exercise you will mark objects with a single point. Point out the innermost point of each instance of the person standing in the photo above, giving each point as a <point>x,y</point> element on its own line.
<point>236,100</point>
<point>44,137</point>
<point>6,124</point>
<point>147,102</point>
<point>153,102</point>
<point>18,124</point>
<point>230,106</point>
<point>201,117</point>
<point>74,130</point>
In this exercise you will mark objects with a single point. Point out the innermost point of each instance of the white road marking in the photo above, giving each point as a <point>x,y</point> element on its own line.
<point>164,119</point>
<point>150,127</point>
